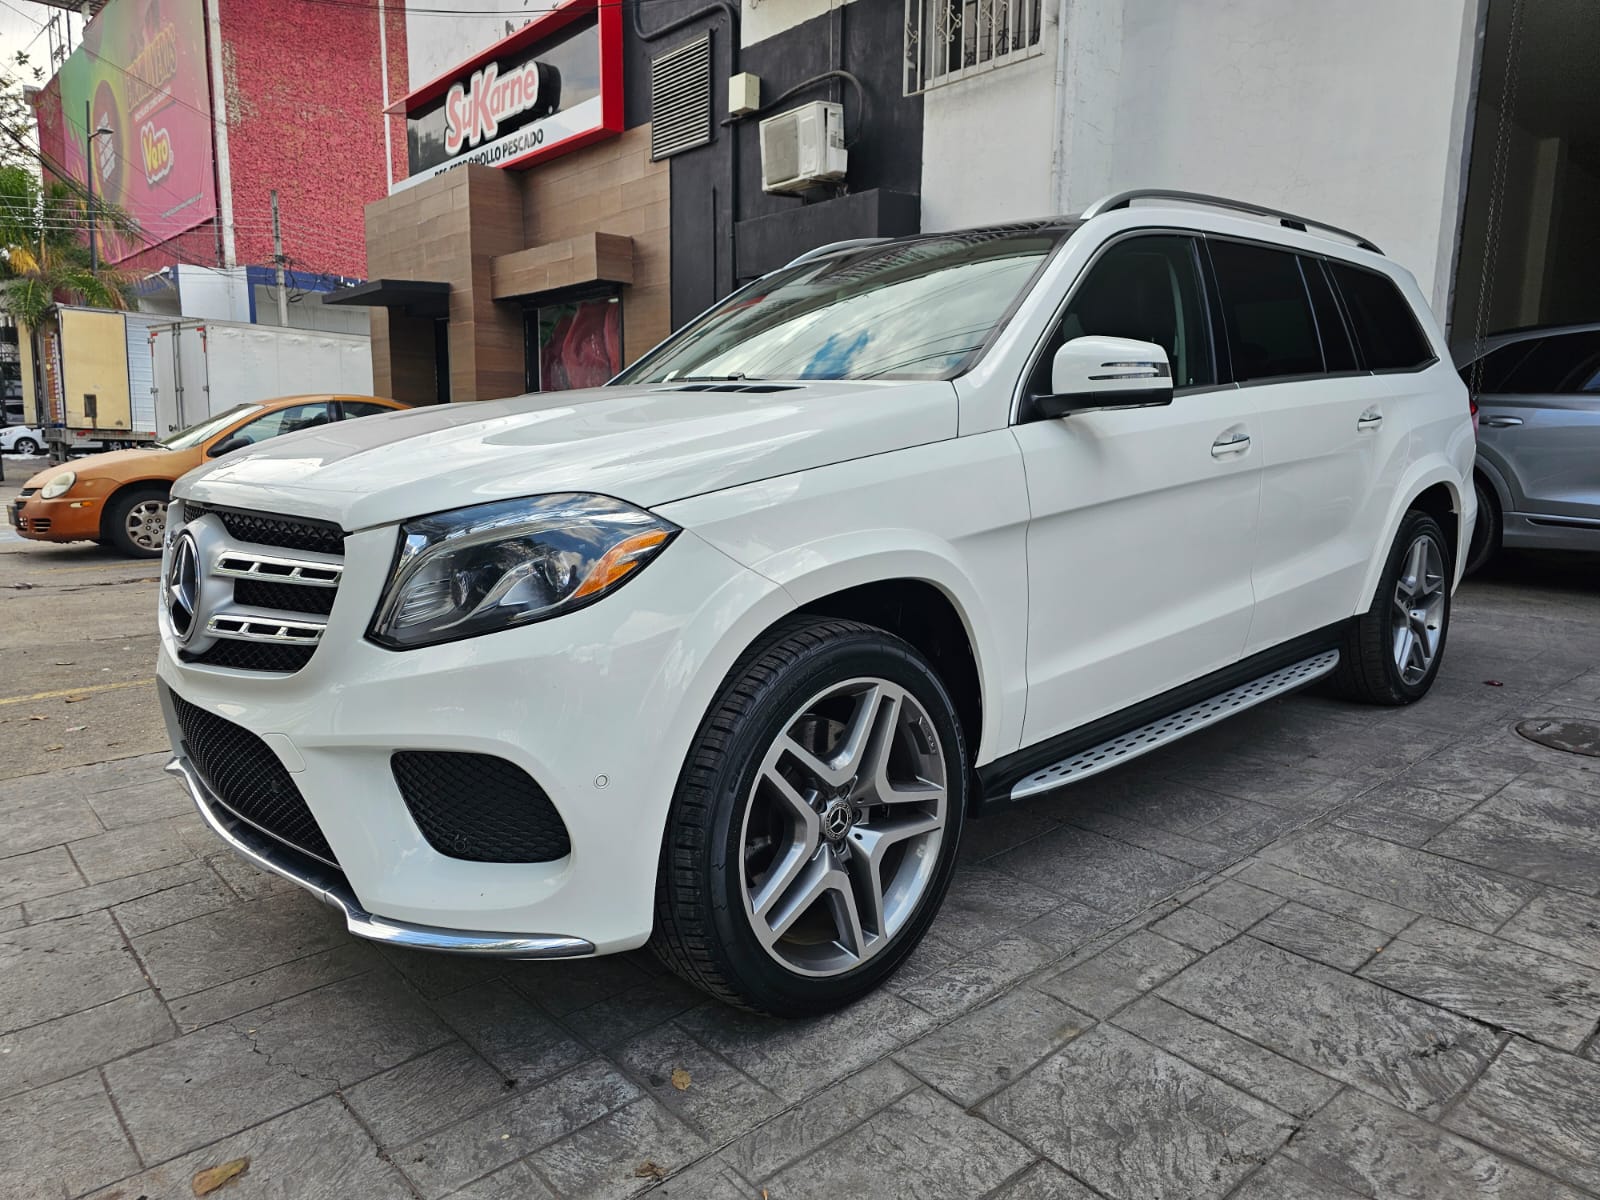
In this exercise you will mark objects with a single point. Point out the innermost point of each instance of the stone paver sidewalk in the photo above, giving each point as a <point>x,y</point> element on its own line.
<point>1320,951</point>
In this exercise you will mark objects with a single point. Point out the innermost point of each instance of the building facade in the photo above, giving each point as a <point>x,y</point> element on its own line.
<point>583,180</point>
<point>200,110</point>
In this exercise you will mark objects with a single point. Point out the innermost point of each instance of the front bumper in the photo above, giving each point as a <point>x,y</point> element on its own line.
<point>65,519</point>
<point>598,706</point>
<point>333,889</point>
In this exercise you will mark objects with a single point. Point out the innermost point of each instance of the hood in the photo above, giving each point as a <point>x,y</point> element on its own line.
<point>91,465</point>
<point>647,445</point>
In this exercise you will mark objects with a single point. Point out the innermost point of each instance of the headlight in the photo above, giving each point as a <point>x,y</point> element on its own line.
<point>58,486</point>
<point>496,566</point>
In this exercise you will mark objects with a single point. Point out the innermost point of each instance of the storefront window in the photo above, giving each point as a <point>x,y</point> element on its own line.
<point>574,345</point>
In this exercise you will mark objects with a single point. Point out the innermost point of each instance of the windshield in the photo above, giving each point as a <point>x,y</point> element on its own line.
<point>196,434</point>
<point>918,309</point>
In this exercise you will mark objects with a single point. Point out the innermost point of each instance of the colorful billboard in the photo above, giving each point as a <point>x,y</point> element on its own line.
<point>142,69</point>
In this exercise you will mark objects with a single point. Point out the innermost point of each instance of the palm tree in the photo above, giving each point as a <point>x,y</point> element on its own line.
<point>42,260</point>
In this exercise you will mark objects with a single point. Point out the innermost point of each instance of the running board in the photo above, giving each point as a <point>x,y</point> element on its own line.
<point>1170,728</point>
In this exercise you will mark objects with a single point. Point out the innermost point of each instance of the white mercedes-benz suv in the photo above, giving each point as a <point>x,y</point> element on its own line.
<point>720,657</point>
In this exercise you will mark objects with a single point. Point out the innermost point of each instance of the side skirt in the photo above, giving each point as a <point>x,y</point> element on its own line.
<point>1120,737</point>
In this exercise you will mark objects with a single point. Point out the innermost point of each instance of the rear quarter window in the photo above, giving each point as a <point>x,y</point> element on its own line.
<point>1386,330</point>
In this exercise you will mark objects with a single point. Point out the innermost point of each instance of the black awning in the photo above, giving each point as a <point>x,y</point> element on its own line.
<point>415,297</point>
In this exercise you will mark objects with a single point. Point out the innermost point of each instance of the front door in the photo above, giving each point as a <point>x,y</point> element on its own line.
<point>1143,521</point>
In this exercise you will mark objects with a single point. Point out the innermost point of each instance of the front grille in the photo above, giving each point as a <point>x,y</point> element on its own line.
<point>253,656</point>
<point>26,492</point>
<point>280,588</point>
<point>479,807</point>
<point>289,597</point>
<point>249,779</point>
<point>270,529</point>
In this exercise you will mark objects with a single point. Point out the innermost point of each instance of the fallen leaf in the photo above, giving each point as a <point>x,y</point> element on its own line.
<point>37,717</point>
<point>207,1181</point>
<point>67,663</point>
<point>75,699</point>
<point>650,1170</point>
<point>58,747</point>
<point>76,728</point>
<point>680,1079</point>
<point>1493,683</point>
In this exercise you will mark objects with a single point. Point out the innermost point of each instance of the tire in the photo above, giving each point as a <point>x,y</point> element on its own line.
<point>1386,656</point>
<point>748,810</point>
<point>135,521</point>
<point>25,446</point>
<point>1485,542</point>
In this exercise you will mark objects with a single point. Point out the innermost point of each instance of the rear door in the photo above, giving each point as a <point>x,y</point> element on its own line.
<point>1539,423</point>
<point>1333,435</point>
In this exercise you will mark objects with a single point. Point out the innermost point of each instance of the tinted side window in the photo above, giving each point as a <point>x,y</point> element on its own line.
<point>1490,373</point>
<point>363,408</point>
<point>1386,329</point>
<point>1271,331</point>
<point>1565,363</point>
<point>1337,349</point>
<point>1146,288</point>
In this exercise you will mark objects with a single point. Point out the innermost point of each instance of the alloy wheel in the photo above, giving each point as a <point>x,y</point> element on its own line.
<point>1419,606</point>
<point>842,831</point>
<point>147,524</point>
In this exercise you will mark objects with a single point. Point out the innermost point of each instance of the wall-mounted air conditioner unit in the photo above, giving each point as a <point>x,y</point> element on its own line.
<point>803,147</point>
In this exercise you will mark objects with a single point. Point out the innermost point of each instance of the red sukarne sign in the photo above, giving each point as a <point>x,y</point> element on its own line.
<point>550,87</point>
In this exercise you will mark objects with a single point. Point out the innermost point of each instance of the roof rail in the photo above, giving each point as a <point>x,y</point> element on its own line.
<point>848,244</point>
<point>1287,220</point>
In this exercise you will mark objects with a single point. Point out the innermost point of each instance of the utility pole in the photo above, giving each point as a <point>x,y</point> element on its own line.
<point>277,257</point>
<point>88,176</point>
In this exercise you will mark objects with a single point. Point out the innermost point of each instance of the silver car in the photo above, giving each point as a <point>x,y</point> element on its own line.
<point>1538,472</point>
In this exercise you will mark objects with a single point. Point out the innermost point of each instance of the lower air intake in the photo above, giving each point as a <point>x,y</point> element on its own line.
<point>249,779</point>
<point>479,807</point>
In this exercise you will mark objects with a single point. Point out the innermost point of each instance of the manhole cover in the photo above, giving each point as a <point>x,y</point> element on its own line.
<point>1575,737</point>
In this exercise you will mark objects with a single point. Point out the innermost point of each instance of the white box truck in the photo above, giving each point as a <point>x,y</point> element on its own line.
<point>200,368</point>
<point>107,380</point>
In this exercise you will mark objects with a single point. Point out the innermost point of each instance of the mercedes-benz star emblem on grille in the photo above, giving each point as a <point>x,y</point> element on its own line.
<point>183,586</point>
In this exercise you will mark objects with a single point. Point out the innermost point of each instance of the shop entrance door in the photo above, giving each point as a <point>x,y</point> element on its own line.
<point>573,343</point>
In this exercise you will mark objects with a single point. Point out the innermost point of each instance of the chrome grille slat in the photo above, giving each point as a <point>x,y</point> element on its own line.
<point>265,628</point>
<point>303,571</point>
<point>267,581</point>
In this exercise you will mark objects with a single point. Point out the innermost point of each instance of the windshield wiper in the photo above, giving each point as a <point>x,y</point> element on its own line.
<point>736,377</point>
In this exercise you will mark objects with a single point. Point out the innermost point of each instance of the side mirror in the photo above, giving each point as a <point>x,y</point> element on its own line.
<point>228,445</point>
<point>1091,373</point>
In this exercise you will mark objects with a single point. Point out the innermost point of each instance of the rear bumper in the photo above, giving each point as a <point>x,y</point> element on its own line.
<point>330,886</point>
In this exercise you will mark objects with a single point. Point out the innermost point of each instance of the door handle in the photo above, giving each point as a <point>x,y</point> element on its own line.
<point>1370,419</point>
<point>1230,443</point>
<point>1501,422</point>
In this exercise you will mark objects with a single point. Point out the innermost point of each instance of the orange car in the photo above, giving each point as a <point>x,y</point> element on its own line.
<point>120,499</point>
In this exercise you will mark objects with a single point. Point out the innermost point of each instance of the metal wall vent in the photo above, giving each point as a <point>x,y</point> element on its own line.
<point>680,98</point>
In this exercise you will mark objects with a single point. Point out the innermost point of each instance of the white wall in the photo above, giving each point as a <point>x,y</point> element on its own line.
<point>988,142</point>
<point>449,32</point>
<point>761,19</point>
<point>1351,112</point>
<point>215,293</point>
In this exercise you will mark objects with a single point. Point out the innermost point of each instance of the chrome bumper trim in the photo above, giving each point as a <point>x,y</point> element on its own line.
<point>330,887</point>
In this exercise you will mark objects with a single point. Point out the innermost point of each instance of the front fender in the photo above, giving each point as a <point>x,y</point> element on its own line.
<point>953,515</point>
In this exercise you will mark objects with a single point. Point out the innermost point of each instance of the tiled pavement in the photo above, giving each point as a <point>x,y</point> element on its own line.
<point>1321,951</point>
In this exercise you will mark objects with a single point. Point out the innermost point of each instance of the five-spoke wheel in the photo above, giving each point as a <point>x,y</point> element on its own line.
<point>816,822</point>
<point>1419,600</point>
<point>842,832</point>
<point>1392,652</point>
